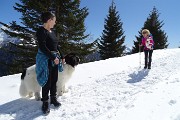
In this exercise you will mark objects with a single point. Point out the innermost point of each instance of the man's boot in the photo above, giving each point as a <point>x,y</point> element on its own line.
<point>55,102</point>
<point>45,107</point>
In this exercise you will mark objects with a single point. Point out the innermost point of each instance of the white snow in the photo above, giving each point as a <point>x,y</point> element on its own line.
<point>113,89</point>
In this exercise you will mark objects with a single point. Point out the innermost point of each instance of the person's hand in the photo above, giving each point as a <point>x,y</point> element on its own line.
<point>56,61</point>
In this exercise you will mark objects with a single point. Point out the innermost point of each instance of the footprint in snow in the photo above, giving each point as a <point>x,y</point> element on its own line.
<point>172,102</point>
<point>14,85</point>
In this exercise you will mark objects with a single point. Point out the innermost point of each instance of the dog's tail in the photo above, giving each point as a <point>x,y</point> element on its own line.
<point>23,74</point>
<point>23,90</point>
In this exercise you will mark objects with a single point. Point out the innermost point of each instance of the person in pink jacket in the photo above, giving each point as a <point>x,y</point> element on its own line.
<point>148,43</point>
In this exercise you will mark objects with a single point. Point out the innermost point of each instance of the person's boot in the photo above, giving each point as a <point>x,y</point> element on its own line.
<point>45,107</point>
<point>145,67</point>
<point>55,102</point>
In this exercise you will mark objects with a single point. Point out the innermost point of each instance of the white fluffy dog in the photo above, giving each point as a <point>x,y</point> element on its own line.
<point>30,86</point>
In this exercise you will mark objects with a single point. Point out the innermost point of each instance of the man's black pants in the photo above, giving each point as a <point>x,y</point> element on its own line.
<point>51,83</point>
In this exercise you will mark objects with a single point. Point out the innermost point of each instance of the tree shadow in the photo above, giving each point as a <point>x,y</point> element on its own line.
<point>138,76</point>
<point>22,109</point>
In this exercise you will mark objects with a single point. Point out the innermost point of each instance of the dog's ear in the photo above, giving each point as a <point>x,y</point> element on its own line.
<point>67,59</point>
<point>77,60</point>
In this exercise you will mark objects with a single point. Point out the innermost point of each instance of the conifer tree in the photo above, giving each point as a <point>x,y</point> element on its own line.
<point>70,28</point>
<point>154,25</point>
<point>112,37</point>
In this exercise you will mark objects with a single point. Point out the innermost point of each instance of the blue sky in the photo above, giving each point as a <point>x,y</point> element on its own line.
<point>133,14</point>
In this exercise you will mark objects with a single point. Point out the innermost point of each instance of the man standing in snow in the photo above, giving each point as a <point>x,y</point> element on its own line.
<point>148,43</point>
<point>47,61</point>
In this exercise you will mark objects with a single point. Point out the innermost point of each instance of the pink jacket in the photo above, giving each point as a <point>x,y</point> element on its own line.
<point>148,43</point>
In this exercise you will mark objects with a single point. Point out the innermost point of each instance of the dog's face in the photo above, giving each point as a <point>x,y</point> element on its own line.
<point>72,59</point>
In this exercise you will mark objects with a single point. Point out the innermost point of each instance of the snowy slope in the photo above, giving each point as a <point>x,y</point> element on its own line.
<point>113,89</point>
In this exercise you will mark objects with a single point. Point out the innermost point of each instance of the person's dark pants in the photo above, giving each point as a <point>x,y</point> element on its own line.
<point>148,57</point>
<point>51,83</point>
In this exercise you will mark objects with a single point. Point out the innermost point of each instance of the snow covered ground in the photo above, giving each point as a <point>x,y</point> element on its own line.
<point>113,89</point>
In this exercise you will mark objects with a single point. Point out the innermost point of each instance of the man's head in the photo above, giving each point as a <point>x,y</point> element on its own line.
<point>48,18</point>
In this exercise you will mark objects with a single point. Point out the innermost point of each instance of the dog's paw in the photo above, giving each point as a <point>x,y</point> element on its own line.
<point>30,94</point>
<point>37,96</point>
<point>66,91</point>
<point>60,94</point>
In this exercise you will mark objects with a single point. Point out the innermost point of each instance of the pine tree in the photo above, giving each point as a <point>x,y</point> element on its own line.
<point>7,57</point>
<point>154,25</point>
<point>112,37</point>
<point>70,28</point>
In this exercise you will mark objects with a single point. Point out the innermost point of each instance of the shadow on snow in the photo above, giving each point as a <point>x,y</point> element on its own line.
<point>138,76</point>
<point>22,109</point>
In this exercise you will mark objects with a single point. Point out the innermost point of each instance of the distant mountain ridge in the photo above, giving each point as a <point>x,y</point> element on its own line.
<point>95,56</point>
<point>4,38</point>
